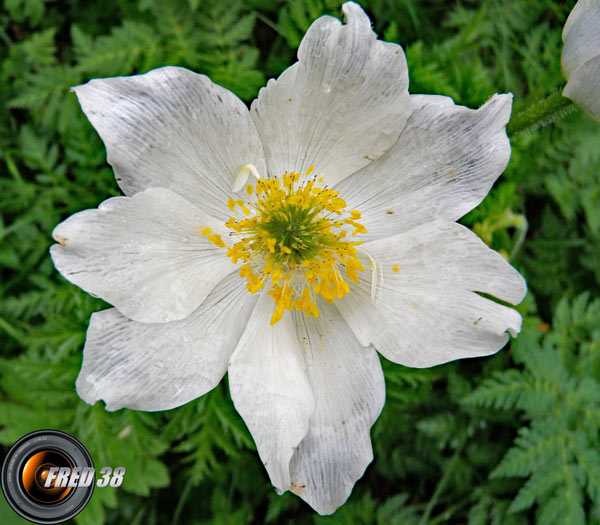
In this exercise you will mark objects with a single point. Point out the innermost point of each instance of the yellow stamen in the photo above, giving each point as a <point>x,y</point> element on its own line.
<point>292,242</point>
<point>217,240</point>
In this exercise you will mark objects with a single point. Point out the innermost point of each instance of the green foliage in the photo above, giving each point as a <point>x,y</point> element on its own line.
<point>510,439</point>
<point>39,391</point>
<point>25,10</point>
<point>558,392</point>
<point>204,427</point>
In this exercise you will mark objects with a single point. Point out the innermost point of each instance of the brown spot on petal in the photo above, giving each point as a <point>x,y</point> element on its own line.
<point>61,240</point>
<point>367,157</point>
<point>297,489</point>
<point>390,212</point>
<point>478,320</point>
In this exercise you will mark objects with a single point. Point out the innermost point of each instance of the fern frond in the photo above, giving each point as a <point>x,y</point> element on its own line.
<point>535,445</point>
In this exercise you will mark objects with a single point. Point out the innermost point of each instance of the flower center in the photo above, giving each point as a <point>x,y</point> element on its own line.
<point>292,239</point>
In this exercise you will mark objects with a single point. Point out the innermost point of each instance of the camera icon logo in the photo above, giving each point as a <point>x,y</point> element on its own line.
<point>48,477</point>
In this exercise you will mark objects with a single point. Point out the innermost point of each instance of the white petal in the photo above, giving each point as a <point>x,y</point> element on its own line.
<point>442,166</point>
<point>582,7</point>
<point>340,106</point>
<point>349,390</point>
<point>584,87</point>
<point>143,254</point>
<point>270,389</point>
<point>581,36</point>
<point>428,312</point>
<point>174,129</point>
<point>147,366</point>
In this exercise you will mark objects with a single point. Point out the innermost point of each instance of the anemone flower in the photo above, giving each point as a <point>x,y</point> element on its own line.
<point>287,245</point>
<point>581,56</point>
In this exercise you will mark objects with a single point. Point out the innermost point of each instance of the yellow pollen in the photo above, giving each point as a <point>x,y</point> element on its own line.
<point>217,240</point>
<point>292,243</point>
<point>395,268</point>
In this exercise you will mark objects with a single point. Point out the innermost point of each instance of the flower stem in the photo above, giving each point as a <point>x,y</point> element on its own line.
<point>486,229</point>
<point>540,114</point>
<point>441,484</point>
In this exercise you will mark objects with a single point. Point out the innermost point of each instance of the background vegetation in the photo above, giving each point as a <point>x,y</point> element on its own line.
<point>503,440</point>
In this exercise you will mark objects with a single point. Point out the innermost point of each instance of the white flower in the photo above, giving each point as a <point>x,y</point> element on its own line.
<point>581,56</point>
<point>301,349</point>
